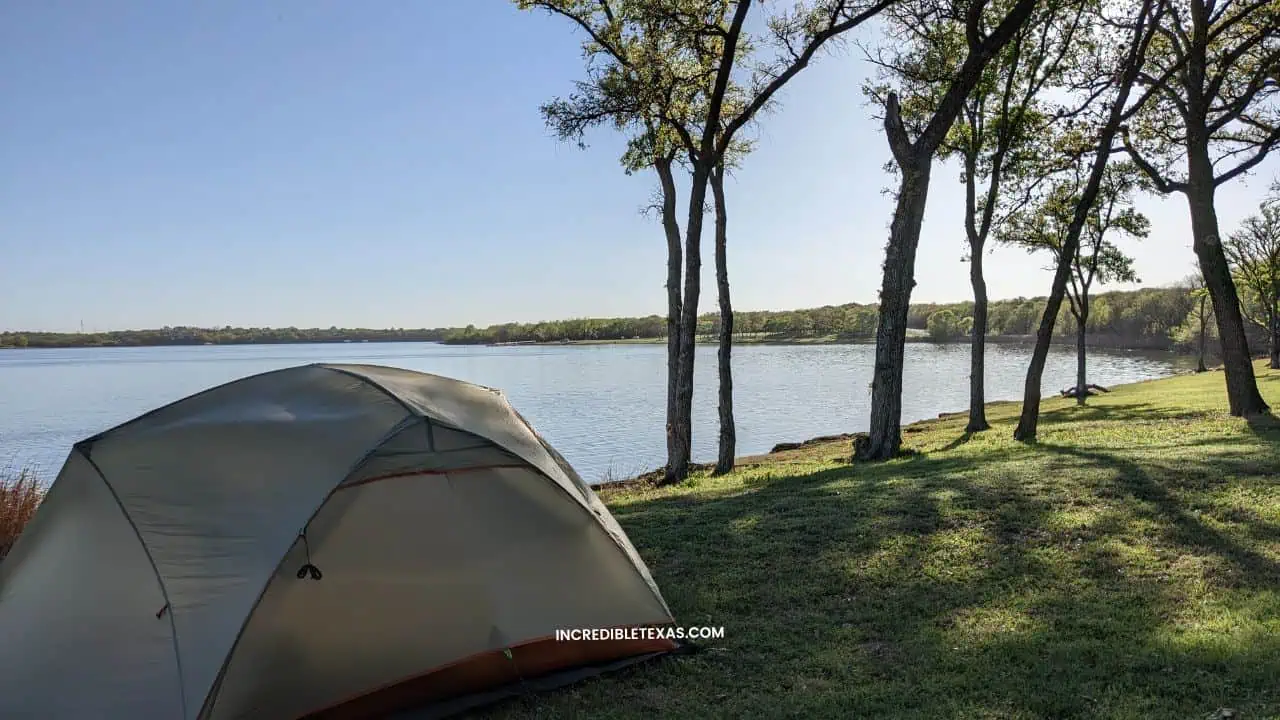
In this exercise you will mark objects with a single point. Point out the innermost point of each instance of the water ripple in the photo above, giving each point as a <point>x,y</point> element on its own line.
<point>602,406</point>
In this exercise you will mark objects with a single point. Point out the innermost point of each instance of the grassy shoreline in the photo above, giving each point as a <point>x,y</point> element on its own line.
<point>1125,566</point>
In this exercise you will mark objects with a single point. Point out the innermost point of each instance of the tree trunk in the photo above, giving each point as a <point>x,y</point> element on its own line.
<point>1082,382</point>
<point>1028,423</point>
<point>1275,338</point>
<point>976,235</point>
<point>978,345</point>
<point>885,436</point>
<point>914,160</point>
<point>1029,420</point>
<point>1243,397</point>
<point>1203,326</point>
<point>678,459</point>
<point>671,228</point>
<point>728,433</point>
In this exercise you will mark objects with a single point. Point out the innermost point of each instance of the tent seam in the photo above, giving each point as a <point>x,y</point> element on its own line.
<point>580,495</point>
<point>617,544</point>
<point>546,448</point>
<point>587,503</point>
<point>164,591</point>
<point>597,521</point>
<point>472,657</point>
<point>215,686</point>
<point>375,385</point>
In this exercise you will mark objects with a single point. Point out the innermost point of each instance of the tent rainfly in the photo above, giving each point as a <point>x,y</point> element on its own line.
<point>323,541</point>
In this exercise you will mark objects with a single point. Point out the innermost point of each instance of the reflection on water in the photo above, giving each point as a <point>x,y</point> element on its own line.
<point>600,405</point>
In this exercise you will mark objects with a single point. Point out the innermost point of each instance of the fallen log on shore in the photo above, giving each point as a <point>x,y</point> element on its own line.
<point>783,447</point>
<point>1074,390</point>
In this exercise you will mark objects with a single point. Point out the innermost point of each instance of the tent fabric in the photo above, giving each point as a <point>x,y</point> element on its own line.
<point>160,576</point>
<point>522,686</point>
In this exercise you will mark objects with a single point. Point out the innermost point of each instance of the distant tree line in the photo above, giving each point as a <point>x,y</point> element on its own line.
<point>1158,318</point>
<point>216,336</point>
<point>1148,318</point>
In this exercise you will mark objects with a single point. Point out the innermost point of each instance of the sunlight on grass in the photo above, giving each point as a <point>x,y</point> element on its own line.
<point>989,623</point>
<point>1073,519</point>
<point>1125,566</point>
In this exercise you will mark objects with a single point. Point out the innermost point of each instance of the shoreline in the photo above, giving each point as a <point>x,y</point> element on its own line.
<point>913,336</point>
<point>649,478</point>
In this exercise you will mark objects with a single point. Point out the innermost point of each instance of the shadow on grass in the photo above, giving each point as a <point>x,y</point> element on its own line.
<point>1128,412</point>
<point>1182,525</point>
<point>1025,582</point>
<point>1265,424</point>
<point>1268,375</point>
<point>965,437</point>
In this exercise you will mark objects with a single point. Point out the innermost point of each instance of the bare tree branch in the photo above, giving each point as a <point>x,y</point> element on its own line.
<point>1264,148</point>
<point>832,30</point>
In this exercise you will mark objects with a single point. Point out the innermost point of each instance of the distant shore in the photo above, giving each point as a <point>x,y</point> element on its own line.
<point>1142,319</point>
<point>913,336</point>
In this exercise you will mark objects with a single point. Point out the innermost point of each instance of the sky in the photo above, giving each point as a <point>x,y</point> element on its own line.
<point>326,162</point>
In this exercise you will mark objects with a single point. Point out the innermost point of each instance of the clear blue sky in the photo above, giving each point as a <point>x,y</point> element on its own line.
<point>383,164</point>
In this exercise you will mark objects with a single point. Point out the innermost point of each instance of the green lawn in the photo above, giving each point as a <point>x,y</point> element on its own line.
<point>1127,566</point>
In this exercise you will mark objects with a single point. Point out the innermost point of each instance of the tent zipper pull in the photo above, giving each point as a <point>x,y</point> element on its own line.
<point>308,568</point>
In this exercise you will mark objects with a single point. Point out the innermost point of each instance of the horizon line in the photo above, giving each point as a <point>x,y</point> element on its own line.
<point>711,313</point>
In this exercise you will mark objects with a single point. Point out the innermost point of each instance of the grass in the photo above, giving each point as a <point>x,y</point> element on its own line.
<point>20,495</point>
<point>1125,566</point>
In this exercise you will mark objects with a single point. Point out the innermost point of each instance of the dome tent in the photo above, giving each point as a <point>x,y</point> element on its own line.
<point>319,541</point>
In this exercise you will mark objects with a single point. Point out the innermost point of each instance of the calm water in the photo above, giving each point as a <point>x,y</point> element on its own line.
<point>599,405</point>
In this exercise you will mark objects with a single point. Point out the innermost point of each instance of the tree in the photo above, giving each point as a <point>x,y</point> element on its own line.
<point>1096,257</point>
<point>728,439</point>
<point>1105,75</point>
<point>1212,121</point>
<point>862,321</point>
<point>669,67</point>
<point>943,325</point>
<point>914,138</point>
<point>994,136</point>
<point>1253,253</point>
<point>641,79</point>
<point>1197,327</point>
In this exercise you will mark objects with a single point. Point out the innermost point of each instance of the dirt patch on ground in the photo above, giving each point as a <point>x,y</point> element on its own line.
<point>821,440</point>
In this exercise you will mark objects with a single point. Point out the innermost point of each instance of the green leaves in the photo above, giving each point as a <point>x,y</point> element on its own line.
<point>1044,224</point>
<point>647,72</point>
<point>1253,251</point>
<point>652,66</point>
<point>1211,76</point>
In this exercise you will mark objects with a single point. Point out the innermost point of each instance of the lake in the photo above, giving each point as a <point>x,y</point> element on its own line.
<point>601,406</point>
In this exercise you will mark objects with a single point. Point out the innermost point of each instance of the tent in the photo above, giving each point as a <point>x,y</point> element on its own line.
<point>331,541</point>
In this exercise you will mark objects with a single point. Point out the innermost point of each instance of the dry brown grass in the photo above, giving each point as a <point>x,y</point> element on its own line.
<point>20,495</point>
